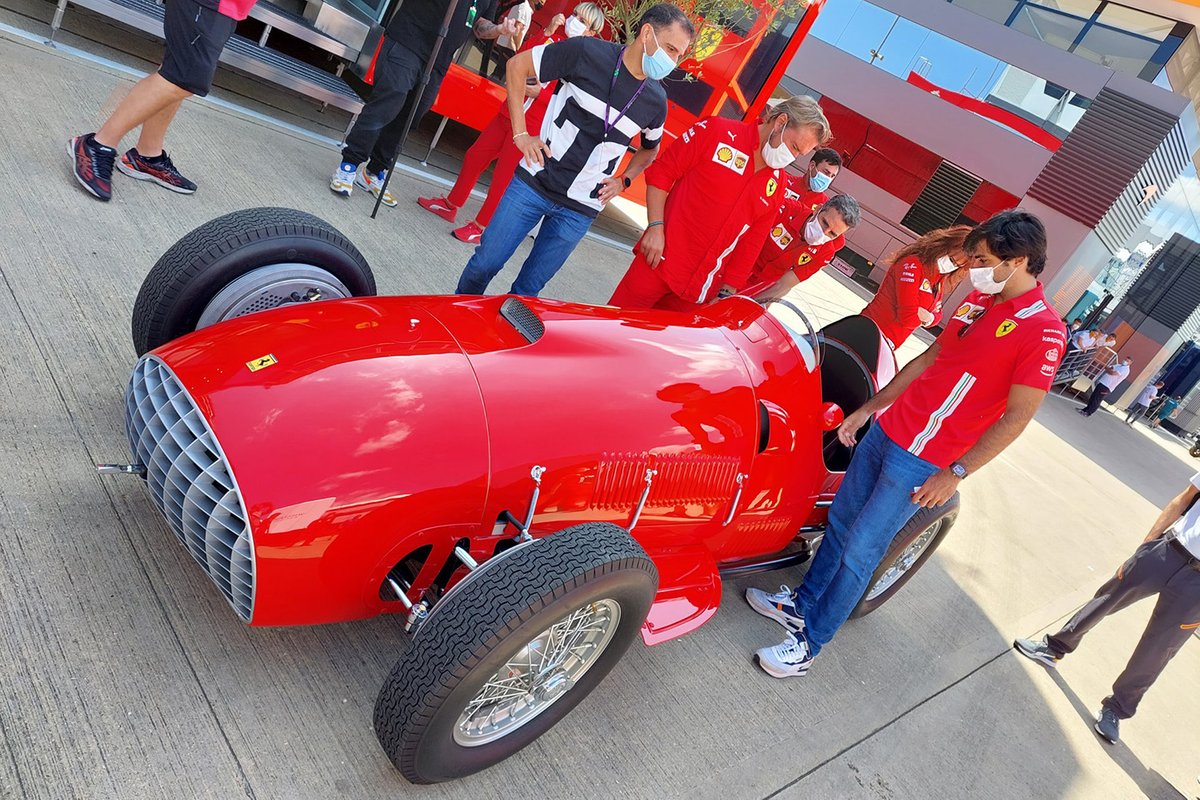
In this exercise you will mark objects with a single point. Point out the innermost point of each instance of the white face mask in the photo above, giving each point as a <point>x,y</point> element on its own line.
<point>777,156</point>
<point>984,279</point>
<point>946,265</point>
<point>574,27</point>
<point>814,234</point>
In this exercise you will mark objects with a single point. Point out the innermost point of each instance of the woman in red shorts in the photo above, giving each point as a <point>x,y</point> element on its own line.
<point>495,141</point>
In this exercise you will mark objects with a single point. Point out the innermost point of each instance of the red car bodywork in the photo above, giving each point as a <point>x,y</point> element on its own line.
<point>391,424</point>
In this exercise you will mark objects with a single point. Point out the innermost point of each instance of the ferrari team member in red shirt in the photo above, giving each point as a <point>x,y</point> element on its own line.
<point>949,411</point>
<point>920,275</point>
<point>495,141</point>
<point>823,167</point>
<point>711,199</point>
<point>786,261</point>
<point>195,32</point>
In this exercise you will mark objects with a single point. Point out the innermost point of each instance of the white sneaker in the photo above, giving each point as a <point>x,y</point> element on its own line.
<point>342,181</point>
<point>373,184</point>
<point>778,606</point>
<point>788,659</point>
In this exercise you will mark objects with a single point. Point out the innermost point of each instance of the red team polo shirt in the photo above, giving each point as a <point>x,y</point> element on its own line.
<point>719,208</point>
<point>986,349</point>
<point>785,248</point>
<point>903,290</point>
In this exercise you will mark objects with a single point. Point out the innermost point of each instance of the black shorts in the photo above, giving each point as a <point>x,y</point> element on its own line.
<point>196,35</point>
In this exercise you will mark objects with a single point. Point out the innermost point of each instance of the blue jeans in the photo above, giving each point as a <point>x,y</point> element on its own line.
<point>873,503</point>
<point>519,211</point>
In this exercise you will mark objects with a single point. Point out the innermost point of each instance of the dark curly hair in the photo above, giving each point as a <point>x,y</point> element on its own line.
<point>1012,234</point>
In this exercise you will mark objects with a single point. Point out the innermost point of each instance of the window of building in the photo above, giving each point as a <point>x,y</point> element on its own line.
<point>956,73</point>
<point>1116,36</point>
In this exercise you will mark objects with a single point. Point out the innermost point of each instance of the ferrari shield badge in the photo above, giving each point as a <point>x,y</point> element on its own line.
<point>1006,327</point>
<point>262,362</point>
<point>772,186</point>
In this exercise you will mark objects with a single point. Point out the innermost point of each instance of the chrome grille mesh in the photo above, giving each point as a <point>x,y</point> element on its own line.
<point>189,480</point>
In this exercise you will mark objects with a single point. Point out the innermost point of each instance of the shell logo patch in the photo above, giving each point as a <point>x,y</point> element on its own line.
<point>728,156</point>
<point>781,237</point>
<point>803,259</point>
<point>262,362</point>
<point>772,185</point>
<point>1006,327</point>
<point>969,312</point>
<point>926,286</point>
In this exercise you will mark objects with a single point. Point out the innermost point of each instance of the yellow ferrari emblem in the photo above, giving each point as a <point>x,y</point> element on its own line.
<point>1006,327</point>
<point>261,363</point>
<point>804,259</point>
<point>772,185</point>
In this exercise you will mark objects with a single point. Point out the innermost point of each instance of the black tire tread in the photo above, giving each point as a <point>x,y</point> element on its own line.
<point>189,256</point>
<point>496,605</point>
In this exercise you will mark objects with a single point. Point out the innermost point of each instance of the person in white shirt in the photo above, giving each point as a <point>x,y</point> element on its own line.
<point>1086,340</point>
<point>1142,404</point>
<point>506,46</point>
<point>1167,564</point>
<point>1109,380</point>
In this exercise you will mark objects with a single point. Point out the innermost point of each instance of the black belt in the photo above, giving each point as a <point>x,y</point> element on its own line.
<point>1191,560</point>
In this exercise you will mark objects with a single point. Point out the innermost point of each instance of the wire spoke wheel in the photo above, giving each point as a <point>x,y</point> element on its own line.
<point>904,561</point>
<point>910,548</point>
<point>539,674</point>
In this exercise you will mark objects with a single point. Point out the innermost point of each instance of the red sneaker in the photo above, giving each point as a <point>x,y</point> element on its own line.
<point>469,233</point>
<point>440,206</point>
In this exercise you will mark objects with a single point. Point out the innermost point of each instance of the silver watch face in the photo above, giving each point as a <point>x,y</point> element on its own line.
<point>959,470</point>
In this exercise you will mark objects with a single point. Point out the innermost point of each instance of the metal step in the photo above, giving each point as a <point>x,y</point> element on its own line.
<point>240,53</point>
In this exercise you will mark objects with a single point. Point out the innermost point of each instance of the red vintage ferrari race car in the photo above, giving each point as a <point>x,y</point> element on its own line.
<point>528,484</point>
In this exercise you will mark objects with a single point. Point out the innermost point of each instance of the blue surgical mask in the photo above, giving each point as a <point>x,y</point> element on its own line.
<point>819,182</point>
<point>659,65</point>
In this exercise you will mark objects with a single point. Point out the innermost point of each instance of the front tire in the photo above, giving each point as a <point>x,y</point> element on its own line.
<point>907,553</point>
<point>510,651</point>
<point>246,261</point>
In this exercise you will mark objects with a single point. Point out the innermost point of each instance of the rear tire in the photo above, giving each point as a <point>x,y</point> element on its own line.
<point>307,251</point>
<point>434,717</point>
<point>909,550</point>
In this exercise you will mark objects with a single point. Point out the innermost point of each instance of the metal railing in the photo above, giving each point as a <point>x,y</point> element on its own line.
<point>1086,364</point>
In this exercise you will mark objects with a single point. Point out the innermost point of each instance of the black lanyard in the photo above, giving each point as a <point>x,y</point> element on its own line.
<point>608,126</point>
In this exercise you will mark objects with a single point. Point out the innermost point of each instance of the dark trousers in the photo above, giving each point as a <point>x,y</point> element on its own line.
<point>1098,394</point>
<point>376,132</point>
<point>1159,567</point>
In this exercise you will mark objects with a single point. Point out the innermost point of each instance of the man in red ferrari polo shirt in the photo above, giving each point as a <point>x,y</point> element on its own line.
<point>711,199</point>
<point>787,259</point>
<point>949,411</point>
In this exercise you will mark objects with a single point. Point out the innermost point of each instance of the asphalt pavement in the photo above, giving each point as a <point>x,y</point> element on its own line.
<point>125,675</point>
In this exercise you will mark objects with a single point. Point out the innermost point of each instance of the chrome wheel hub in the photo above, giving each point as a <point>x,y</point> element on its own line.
<point>270,287</point>
<point>539,674</point>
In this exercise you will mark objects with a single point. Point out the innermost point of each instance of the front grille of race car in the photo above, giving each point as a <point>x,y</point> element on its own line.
<point>190,480</point>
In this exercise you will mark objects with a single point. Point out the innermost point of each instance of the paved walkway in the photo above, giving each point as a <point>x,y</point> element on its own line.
<point>125,675</point>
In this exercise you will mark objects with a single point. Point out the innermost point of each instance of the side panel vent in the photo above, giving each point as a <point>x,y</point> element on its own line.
<point>942,201</point>
<point>521,317</point>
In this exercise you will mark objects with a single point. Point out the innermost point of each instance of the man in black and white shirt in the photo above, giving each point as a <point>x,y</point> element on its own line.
<point>606,96</point>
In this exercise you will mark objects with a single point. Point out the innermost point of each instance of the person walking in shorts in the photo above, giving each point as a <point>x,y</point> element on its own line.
<point>1167,564</point>
<point>195,32</point>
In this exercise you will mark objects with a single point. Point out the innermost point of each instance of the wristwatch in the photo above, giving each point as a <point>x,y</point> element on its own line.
<point>626,181</point>
<point>959,470</point>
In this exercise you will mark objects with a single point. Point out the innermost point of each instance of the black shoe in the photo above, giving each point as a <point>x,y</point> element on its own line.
<point>1039,651</point>
<point>158,169</point>
<point>93,163</point>
<point>1108,726</point>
